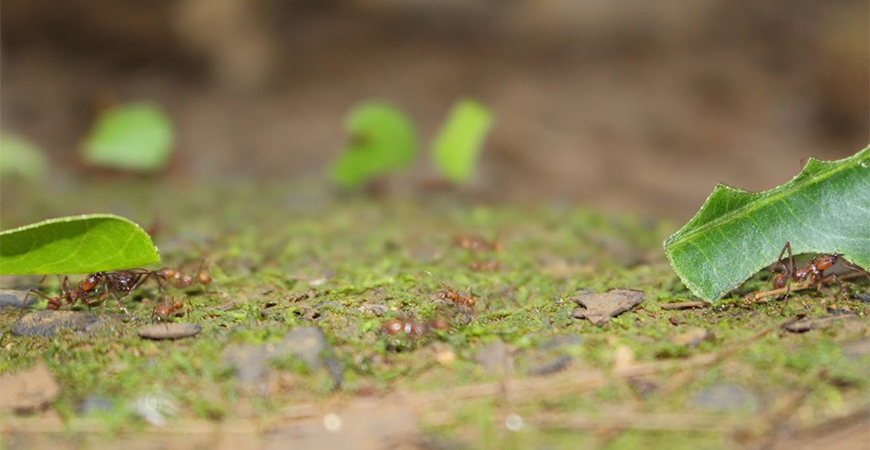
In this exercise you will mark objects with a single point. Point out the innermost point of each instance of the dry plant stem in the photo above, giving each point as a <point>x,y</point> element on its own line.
<point>631,421</point>
<point>799,287</point>
<point>776,422</point>
<point>686,376</point>
<point>684,305</point>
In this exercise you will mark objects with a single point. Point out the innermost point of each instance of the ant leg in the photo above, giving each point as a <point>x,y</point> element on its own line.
<point>52,303</point>
<point>120,305</point>
<point>790,273</point>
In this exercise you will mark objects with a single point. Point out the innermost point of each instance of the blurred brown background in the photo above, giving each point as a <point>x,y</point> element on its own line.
<point>630,105</point>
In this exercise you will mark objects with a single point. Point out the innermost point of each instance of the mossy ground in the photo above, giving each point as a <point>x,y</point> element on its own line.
<point>286,257</point>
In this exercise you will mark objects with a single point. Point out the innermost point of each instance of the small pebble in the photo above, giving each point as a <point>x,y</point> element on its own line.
<point>693,337</point>
<point>14,298</point>
<point>726,397</point>
<point>170,330</point>
<point>47,322</point>
<point>495,357</point>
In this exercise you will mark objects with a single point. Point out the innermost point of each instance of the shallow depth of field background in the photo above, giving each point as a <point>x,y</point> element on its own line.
<point>632,105</point>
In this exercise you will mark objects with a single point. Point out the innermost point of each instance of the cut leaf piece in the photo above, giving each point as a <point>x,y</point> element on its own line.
<point>382,140</point>
<point>825,209</point>
<point>21,158</point>
<point>137,137</point>
<point>460,140</point>
<point>75,245</point>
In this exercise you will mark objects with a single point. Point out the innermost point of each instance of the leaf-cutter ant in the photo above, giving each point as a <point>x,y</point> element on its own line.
<point>458,299</point>
<point>412,328</point>
<point>119,281</point>
<point>180,279</point>
<point>476,243</point>
<point>813,272</point>
<point>167,307</point>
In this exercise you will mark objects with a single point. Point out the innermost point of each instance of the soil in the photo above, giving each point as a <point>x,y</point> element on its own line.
<point>609,118</point>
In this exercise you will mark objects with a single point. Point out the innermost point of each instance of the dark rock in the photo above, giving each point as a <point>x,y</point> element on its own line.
<point>495,357</point>
<point>815,323</point>
<point>249,362</point>
<point>562,341</point>
<point>726,397</point>
<point>857,349</point>
<point>863,298</point>
<point>599,308</point>
<point>551,356</point>
<point>15,298</point>
<point>169,330</point>
<point>551,366</point>
<point>94,404</point>
<point>30,390</point>
<point>693,337</point>
<point>47,323</point>
<point>305,343</point>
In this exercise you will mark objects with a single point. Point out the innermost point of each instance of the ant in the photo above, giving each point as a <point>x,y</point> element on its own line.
<point>167,307</point>
<point>812,271</point>
<point>475,243</point>
<point>455,297</point>
<point>413,328</point>
<point>484,266</point>
<point>123,281</point>
<point>180,279</point>
<point>468,300</point>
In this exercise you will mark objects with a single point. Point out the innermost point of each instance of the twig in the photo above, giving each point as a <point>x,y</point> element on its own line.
<point>799,287</point>
<point>684,305</point>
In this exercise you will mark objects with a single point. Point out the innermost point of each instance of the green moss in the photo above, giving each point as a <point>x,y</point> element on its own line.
<point>348,266</point>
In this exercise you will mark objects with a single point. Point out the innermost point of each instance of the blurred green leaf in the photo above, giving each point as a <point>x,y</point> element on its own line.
<point>825,209</point>
<point>383,140</point>
<point>21,158</point>
<point>136,137</point>
<point>77,244</point>
<point>460,140</point>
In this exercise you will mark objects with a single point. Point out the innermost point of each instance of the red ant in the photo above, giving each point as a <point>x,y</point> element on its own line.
<point>181,280</point>
<point>484,266</point>
<point>167,307</point>
<point>475,243</point>
<point>455,297</point>
<point>812,271</point>
<point>413,328</point>
<point>123,281</point>
<point>446,293</point>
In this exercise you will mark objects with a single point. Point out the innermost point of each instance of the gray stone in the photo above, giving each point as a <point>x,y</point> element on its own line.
<point>306,343</point>
<point>726,397</point>
<point>249,362</point>
<point>94,404</point>
<point>47,322</point>
<point>10,298</point>
<point>495,357</point>
<point>169,330</point>
<point>599,308</point>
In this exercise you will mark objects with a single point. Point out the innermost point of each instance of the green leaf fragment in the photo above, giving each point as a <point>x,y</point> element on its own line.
<point>383,140</point>
<point>21,158</point>
<point>75,245</point>
<point>824,209</point>
<point>458,144</point>
<point>137,137</point>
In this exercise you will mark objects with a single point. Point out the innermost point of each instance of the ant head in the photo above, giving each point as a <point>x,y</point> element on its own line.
<point>826,261</point>
<point>204,277</point>
<point>91,281</point>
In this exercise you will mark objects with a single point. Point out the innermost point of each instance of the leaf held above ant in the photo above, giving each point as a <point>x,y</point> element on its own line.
<point>824,209</point>
<point>75,244</point>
